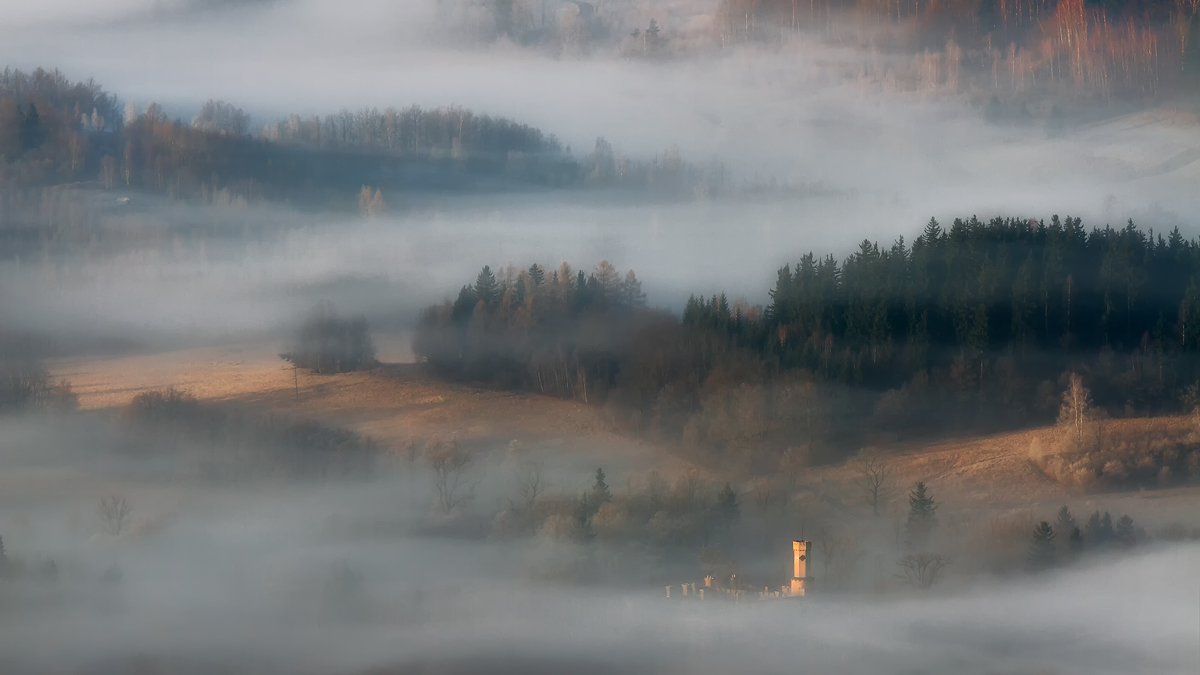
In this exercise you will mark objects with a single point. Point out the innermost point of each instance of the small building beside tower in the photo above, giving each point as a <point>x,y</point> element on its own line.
<point>734,589</point>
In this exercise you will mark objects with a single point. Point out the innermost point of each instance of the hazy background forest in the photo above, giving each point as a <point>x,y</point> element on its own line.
<point>459,335</point>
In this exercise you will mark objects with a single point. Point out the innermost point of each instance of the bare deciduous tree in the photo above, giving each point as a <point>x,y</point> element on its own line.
<point>449,463</point>
<point>840,554</point>
<point>1076,408</point>
<point>922,570</point>
<point>531,485</point>
<point>114,512</point>
<point>874,475</point>
<point>765,493</point>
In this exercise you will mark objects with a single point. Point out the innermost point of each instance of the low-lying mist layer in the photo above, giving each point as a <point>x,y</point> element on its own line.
<point>340,577</point>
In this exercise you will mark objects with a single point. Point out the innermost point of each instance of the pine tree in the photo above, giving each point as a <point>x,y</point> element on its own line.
<point>1075,543</point>
<point>487,289</point>
<point>537,274</point>
<point>1099,530</point>
<point>600,492</point>
<point>33,132</point>
<point>1125,533</point>
<point>1041,549</point>
<point>921,516</point>
<point>584,510</point>
<point>1065,521</point>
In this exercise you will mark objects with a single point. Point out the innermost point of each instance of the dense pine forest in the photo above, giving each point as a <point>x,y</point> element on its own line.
<point>975,327</point>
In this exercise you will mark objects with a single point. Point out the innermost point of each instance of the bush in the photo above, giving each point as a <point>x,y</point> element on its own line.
<point>303,447</point>
<point>328,344</point>
<point>1117,458</point>
<point>25,383</point>
<point>165,405</point>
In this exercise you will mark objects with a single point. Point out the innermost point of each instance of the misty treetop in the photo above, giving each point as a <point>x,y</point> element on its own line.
<point>974,291</point>
<point>534,328</point>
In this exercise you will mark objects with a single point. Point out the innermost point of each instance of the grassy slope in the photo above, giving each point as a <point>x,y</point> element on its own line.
<point>399,403</point>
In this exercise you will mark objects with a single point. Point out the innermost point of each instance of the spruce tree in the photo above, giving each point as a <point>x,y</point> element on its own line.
<point>600,492</point>
<point>1125,533</point>
<point>1099,530</point>
<point>921,516</point>
<point>538,274</point>
<point>1075,543</point>
<point>584,510</point>
<point>1041,549</point>
<point>487,290</point>
<point>1066,521</point>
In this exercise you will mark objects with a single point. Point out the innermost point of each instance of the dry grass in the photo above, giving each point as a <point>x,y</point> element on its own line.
<point>396,404</point>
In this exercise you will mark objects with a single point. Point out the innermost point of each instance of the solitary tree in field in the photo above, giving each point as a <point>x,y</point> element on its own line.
<point>1076,406</point>
<point>113,511</point>
<point>922,570</point>
<point>530,487</point>
<point>921,516</point>
<point>1041,549</point>
<point>450,464</point>
<point>874,477</point>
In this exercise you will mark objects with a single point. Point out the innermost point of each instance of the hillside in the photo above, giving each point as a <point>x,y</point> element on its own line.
<point>401,403</point>
<point>396,404</point>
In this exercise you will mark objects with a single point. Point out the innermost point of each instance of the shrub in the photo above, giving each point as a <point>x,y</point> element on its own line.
<point>25,383</point>
<point>300,447</point>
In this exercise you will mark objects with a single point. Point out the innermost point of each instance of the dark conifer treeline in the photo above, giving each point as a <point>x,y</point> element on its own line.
<point>997,307</point>
<point>970,327</point>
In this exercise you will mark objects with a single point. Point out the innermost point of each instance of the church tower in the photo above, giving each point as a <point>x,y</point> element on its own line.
<point>800,576</point>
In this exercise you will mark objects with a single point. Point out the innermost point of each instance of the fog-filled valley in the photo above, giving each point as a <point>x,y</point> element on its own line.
<point>348,576</point>
<point>473,336</point>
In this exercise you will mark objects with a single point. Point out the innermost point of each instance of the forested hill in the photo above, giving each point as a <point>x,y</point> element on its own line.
<point>1133,49</point>
<point>973,326</point>
<point>55,131</point>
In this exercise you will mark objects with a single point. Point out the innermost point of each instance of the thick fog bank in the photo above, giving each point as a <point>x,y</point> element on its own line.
<point>269,576</point>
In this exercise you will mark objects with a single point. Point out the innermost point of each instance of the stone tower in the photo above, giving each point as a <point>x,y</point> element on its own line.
<point>800,576</point>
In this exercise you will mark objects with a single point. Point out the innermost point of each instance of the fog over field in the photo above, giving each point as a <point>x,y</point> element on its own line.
<point>307,527</point>
<point>339,578</point>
